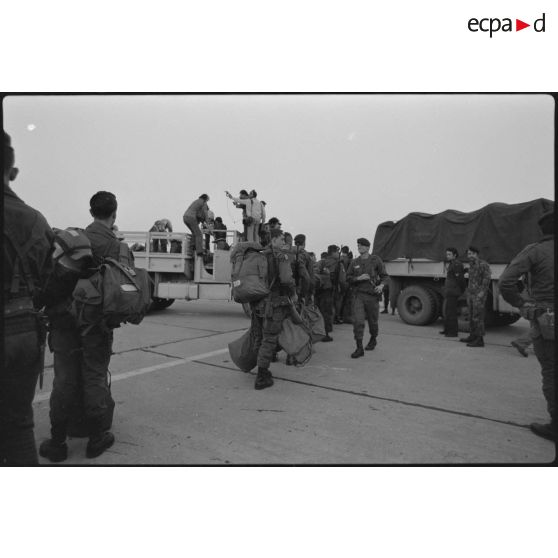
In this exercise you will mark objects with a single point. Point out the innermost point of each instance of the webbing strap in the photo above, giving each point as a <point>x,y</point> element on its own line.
<point>20,262</point>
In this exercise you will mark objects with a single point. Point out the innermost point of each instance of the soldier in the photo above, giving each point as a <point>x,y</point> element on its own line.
<point>328,271</point>
<point>538,261</point>
<point>27,264</point>
<point>477,291</point>
<point>220,237</point>
<point>367,274</point>
<point>82,355</point>
<point>197,213</point>
<point>161,225</point>
<point>452,290</point>
<point>304,270</point>
<point>269,313</point>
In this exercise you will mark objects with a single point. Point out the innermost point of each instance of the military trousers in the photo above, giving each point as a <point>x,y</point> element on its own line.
<point>366,308</point>
<point>197,237</point>
<point>450,314</point>
<point>477,311</point>
<point>23,362</point>
<point>544,351</point>
<point>325,304</point>
<point>266,330</point>
<point>80,380</point>
<point>339,301</point>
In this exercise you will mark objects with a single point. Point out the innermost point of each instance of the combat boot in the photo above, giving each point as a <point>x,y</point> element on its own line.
<point>371,344</point>
<point>54,451</point>
<point>98,444</point>
<point>384,311</point>
<point>467,339</point>
<point>547,431</point>
<point>476,342</point>
<point>327,339</point>
<point>289,361</point>
<point>264,379</point>
<point>359,352</point>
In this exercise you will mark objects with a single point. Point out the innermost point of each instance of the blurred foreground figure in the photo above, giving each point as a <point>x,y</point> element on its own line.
<point>26,263</point>
<point>537,260</point>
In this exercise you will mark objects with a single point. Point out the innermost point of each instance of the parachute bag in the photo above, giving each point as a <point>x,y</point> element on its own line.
<point>296,341</point>
<point>314,320</point>
<point>243,353</point>
<point>126,292</point>
<point>249,273</point>
<point>72,252</point>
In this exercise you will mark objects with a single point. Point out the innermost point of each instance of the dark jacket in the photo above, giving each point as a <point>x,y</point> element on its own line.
<point>538,261</point>
<point>197,210</point>
<point>455,279</point>
<point>35,237</point>
<point>374,266</point>
<point>104,243</point>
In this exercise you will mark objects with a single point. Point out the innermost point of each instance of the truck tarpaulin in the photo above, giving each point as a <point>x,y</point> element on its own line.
<point>498,230</point>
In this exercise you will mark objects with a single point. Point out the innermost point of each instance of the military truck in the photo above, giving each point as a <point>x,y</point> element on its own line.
<point>413,250</point>
<point>180,273</point>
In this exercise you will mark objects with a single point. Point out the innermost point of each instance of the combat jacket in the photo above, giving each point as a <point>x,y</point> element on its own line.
<point>538,261</point>
<point>479,278</point>
<point>374,266</point>
<point>198,210</point>
<point>104,243</point>
<point>455,279</point>
<point>33,234</point>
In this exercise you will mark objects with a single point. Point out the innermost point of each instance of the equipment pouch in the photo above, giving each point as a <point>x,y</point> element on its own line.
<point>546,325</point>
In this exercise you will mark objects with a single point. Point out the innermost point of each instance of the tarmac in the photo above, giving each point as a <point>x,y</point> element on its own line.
<point>418,398</point>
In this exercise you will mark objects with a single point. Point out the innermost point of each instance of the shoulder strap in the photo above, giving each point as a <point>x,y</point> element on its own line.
<point>21,260</point>
<point>126,270</point>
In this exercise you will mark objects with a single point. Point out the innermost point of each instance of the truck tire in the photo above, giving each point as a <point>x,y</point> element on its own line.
<point>439,299</point>
<point>247,310</point>
<point>494,319</point>
<point>160,303</point>
<point>417,305</point>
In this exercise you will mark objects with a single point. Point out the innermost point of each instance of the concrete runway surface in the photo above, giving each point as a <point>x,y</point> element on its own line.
<point>419,398</point>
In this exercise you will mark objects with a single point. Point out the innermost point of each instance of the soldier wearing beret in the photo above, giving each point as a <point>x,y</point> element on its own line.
<point>367,274</point>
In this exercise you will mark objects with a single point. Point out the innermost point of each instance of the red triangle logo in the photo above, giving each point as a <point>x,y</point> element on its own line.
<point>519,25</point>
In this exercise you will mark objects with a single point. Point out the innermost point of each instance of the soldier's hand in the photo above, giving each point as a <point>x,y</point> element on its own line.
<point>363,277</point>
<point>379,289</point>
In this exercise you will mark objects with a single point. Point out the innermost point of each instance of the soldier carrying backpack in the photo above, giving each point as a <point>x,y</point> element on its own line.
<point>82,351</point>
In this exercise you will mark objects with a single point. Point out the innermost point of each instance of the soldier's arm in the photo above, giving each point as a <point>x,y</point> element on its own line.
<point>382,273</point>
<point>486,276</point>
<point>507,283</point>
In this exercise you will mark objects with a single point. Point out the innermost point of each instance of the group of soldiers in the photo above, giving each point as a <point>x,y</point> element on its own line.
<point>81,402</point>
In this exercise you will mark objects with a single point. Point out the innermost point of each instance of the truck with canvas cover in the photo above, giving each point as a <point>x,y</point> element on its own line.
<point>413,250</point>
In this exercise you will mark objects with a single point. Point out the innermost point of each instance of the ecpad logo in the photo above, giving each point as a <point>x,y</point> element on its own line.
<point>493,25</point>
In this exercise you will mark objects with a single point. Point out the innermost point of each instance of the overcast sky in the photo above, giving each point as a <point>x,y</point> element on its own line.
<point>330,166</point>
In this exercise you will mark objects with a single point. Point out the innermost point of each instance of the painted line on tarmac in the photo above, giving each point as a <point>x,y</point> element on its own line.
<point>379,397</point>
<point>148,369</point>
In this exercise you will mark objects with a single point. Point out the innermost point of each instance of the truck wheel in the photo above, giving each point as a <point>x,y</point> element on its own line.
<point>417,305</point>
<point>160,303</point>
<point>439,299</point>
<point>247,310</point>
<point>494,319</point>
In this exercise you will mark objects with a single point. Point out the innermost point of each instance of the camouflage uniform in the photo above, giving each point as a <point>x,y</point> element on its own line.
<point>477,291</point>
<point>269,313</point>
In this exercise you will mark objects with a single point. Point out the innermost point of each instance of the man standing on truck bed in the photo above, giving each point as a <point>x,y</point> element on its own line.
<point>367,274</point>
<point>197,213</point>
<point>477,291</point>
<point>538,261</point>
<point>453,288</point>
